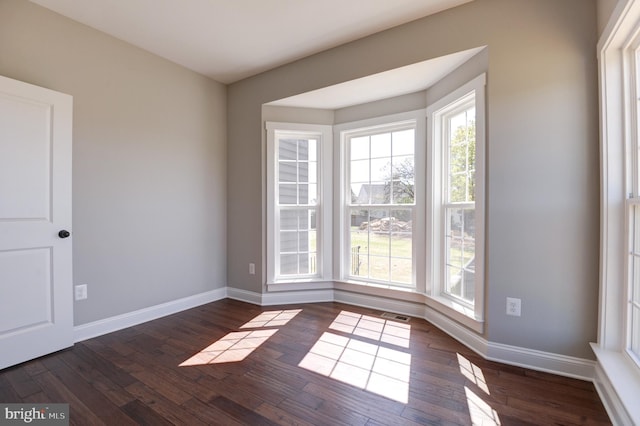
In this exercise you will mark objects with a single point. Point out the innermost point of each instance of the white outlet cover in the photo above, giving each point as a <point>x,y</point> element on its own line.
<point>81,292</point>
<point>514,306</point>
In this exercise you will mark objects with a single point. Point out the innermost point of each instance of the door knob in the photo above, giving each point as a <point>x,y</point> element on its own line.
<point>64,233</point>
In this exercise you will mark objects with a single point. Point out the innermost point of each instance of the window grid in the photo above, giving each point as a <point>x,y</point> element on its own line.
<point>297,205</point>
<point>633,297</point>
<point>381,204</point>
<point>458,123</point>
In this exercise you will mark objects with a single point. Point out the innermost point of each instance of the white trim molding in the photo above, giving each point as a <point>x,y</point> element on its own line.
<point>130,319</point>
<point>618,384</point>
<point>411,305</point>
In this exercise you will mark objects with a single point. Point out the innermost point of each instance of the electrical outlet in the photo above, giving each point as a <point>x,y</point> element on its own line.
<point>514,306</point>
<point>252,269</point>
<point>81,292</point>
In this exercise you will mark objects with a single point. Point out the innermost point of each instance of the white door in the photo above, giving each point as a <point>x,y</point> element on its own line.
<point>36,305</point>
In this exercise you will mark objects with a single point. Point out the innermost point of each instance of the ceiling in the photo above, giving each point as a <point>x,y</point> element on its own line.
<point>400,81</point>
<point>229,40</point>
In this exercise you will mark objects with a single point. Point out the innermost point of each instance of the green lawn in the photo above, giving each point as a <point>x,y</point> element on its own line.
<point>382,255</point>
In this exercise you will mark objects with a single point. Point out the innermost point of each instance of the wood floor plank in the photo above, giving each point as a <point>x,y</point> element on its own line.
<point>134,376</point>
<point>143,415</point>
<point>22,382</point>
<point>209,413</point>
<point>280,416</point>
<point>239,412</point>
<point>7,392</point>
<point>169,410</point>
<point>57,392</point>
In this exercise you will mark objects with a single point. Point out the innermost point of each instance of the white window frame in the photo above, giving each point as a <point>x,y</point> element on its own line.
<point>618,375</point>
<point>471,315</point>
<point>632,59</point>
<point>324,203</point>
<point>370,126</point>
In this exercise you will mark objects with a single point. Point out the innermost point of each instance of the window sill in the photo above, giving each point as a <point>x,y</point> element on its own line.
<point>456,311</point>
<point>624,376</point>
<point>299,284</point>
<point>447,307</point>
<point>380,290</point>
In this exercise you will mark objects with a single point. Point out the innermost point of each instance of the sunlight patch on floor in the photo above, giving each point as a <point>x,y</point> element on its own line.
<point>238,345</point>
<point>375,368</point>
<point>473,373</point>
<point>272,318</point>
<point>373,328</point>
<point>481,412</point>
<point>233,347</point>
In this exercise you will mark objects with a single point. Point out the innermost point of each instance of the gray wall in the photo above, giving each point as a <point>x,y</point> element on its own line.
<point>149,165</point>
<point>605,9</point>
<point>542,181</point>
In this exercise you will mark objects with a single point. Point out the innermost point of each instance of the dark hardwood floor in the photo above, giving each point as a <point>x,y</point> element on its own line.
<point>233,363</point>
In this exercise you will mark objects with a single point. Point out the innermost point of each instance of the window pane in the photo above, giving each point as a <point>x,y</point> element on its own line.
<point>287,171</point>
<point>454,281</point>
<point>303,171</point>
<point>379,268</point>
<point>381,145</point>
<point>403,142</point>
<point>313,149</point>
<point>313,194</point>
<point>401,270</point>
<point>288,242</point>
<point>298,242</point>
<point>359,242</point>
<point>381,169</point>
<point>635,330</point>
<point>288,219</point>
<point>378,193</point>
<point>359,147</point>
<point>379,237</point>
<point>359,194</point>
<point>288,194</point>
<point>359,171</point>
<point>304,242</point>
<point>401,235</point>
<point>460,252</point>
<point>635,281</point>
<point>312,242</point>
<point>303,194</point>
<point>313,172</point>
<point>359,263</point>
<point>461,148</point>
<point>288,264</point>
<point>403,182</point>
<point>288,149</point>
<point>303,150</point>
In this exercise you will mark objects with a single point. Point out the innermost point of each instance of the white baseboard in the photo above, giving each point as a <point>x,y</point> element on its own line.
<point>577,368</point>
<point>281,297</point>
<point>512,355</point>
<point>244,296</point>
<point>109,325</point>
<point>547,362</point>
